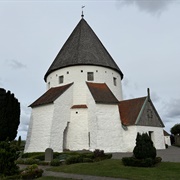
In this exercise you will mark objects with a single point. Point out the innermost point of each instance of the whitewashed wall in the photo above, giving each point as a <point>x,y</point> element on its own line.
<point>78,75</point>
<point>129,139</point>
<point>167,140</point>
<point>61,117</point>
<point>131,133</point>
<point>38,137</point>
<point>109,130</point>
<point>77,136</point>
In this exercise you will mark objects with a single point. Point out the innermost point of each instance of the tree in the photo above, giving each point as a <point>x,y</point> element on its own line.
<point>144,147</point>
<point>9,115</point>
<point>175,129</point>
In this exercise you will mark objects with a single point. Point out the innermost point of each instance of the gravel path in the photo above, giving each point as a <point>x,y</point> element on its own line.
<point>171,154</point>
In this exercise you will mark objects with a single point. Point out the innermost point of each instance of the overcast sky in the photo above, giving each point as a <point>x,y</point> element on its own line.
<point>143,37</point>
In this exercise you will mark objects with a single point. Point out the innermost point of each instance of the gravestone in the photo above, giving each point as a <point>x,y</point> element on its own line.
<point>48,155</point>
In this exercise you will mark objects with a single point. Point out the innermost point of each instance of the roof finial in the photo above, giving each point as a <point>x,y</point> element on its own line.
<point>148,92</point>
<point>82,15</point>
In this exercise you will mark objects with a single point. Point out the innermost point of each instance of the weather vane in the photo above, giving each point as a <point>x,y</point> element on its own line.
<point>82,15</point>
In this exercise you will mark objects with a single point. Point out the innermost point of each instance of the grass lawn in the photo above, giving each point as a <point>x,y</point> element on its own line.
<point>53,178</point>
<point>115,168</point>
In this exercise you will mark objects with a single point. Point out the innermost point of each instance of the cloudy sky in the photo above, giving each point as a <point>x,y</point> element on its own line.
<point>142,36</point>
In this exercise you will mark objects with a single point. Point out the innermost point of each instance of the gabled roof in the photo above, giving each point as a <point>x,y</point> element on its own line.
<point>83,47</point>
<point>101,93</point>
<point>130,109</point>
<point>166,133</point>
<point>139,111</point>
<point>50,96</point>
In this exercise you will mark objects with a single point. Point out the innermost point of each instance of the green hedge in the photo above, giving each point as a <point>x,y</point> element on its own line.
<point>148,162</point>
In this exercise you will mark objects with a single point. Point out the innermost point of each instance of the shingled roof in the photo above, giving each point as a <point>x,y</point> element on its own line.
<point>135,112</point>
<point>130,109</point>
<point>83,47</point>
<point>50,96</point>
<point>101,93</point>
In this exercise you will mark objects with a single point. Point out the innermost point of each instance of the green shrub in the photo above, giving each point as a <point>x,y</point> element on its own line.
<point>132,161</point>
<point>157,160</point>
<point>148,162</point>
<point>33,155</point>
<point>88,155</point>
<point>144,147</point>
<point>56,155</point>
<point>41,157</point>
<point>12,177</point>
<point>8,155</point>
<point>62,156</point>
<point>87,160</point>
<point>74,159</point>
<point>30,161</point>
<point>55,162</point>
<point>98,153</point>
<point>108,156</point>
<point>43,163</point>
<point>31,172</point>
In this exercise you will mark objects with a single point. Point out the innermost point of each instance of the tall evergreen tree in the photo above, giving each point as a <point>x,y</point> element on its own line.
<point>9,115</point>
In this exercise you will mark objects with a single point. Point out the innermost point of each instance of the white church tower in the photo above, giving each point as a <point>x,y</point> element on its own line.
<point>81,108</point>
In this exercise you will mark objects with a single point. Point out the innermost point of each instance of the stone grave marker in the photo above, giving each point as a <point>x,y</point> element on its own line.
<point>48,155</point>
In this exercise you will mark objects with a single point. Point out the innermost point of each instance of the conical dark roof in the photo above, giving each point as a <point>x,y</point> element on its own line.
<point>83,47</point>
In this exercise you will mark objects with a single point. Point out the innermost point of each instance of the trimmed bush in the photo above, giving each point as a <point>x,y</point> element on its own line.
<point>132,161</point>
<point>88,155</point>
<point>30,161</point>
<point>148,162</point>
<point>32,155</point>
<point>87,160</point>
<point>98,153</point>
<point>144,153</point>
<point>55,162</point>
<point>157,160</point>
<point>31,172</point>
<point>144,147</point>
<point>43,163</point>
<point>74,159</point>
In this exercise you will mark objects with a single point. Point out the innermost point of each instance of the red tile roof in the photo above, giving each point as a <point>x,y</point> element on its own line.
<point>51,95</point>
<point>101,93</point>
<point>81,106</point>
<point>129,110</point>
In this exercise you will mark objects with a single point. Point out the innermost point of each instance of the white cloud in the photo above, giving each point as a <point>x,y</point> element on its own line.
<point>155,7</point>
<point>173,109</point>
<point>155,98</point>
<point>24,122</point>
<point>14,64</point>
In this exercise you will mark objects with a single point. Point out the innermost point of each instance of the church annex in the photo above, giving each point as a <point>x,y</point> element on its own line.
<point>83,107</point>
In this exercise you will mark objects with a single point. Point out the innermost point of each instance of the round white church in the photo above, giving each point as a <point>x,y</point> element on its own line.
<point>83,107</point>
